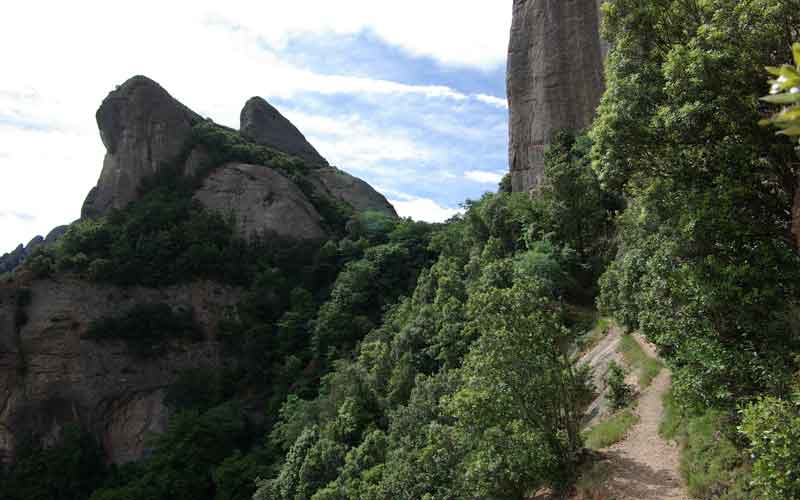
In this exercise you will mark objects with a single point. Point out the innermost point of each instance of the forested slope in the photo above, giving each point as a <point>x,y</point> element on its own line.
<point>412,361</point>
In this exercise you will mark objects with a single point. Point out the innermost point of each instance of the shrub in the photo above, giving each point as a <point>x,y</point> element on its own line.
<point>712,462</point>
<point>146,328</point>
<point>69,470</point>
<point>195,389</point>
<point>40,264</point>
<point>773,427</point>
<point>620,393</point>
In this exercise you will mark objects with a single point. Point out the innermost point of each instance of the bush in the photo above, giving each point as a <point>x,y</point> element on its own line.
<point>68,470</point>
<point>773,427</point>
<point>620,393</point>
<point>712,462</point>
<point>40,264</point>
<point>146,328</point>
<point>637,358</point>
<point>195,389</point>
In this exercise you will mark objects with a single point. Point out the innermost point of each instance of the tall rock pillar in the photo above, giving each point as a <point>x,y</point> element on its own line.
<point>554,79</point>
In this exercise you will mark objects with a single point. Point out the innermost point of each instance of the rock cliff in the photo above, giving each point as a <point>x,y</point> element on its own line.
<point>263,200</point>
<point>51,374</point>
<point>551,40</point>
<point>142,128</point>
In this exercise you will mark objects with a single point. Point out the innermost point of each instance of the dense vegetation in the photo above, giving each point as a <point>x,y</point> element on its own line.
<point>408,361</point>
<point>399,360</point>
<point>147,328</point>
<point>707,266</point>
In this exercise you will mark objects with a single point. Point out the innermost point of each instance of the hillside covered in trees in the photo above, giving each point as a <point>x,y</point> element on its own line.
<point>404,360</point>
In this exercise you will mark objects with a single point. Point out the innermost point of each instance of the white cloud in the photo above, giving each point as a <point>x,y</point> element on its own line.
<point>463,32</point>
<point>494,101</point>
<point>423,209</point>
<point>483,176</point>
<point>42,178</point>
<point>352,142</point>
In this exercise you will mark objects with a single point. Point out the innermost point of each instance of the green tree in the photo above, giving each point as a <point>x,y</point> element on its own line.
<point>706,265</point>
<point>70,470</point>
<point>519,383</point>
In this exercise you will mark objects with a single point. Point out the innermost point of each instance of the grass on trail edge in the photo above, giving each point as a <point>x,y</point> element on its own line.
<point>611,431</point>
<point>639,360</point>
<point>711,463</point>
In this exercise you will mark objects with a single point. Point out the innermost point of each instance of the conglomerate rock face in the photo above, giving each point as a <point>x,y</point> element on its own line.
<point>264,201</point>
<point>554,78</point>
<point>142,128</point>
<point>263,124</point>
<point>51,374</point>
<point>339,185</point>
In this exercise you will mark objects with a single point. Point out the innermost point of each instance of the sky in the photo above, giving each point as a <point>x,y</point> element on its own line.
<point>409,96</point>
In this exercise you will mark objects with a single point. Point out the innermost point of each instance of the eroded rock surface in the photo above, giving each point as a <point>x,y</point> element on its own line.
<point>340,185</point>
<point>554,79</point>
<point>263,202</point>
<point>142,128</point>
<point>50,374</point>
<point>263,124</point>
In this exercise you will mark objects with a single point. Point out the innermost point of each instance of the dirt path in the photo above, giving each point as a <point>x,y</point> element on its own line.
<point>644,466</point>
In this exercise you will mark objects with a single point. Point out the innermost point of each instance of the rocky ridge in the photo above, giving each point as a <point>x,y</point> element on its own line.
<point>10,261</point>
<point>144,129</point>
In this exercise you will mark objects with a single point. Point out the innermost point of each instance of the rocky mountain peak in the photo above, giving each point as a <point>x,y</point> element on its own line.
<point>142,128</point>
<point>263,124</point>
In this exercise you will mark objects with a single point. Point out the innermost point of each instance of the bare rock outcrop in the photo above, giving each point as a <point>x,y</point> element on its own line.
<point>142,128</point>
<point>263,200</point>
<point>51,374</point>
<point>340,185</point>
<point>263,124</point>
<point>551,41</point>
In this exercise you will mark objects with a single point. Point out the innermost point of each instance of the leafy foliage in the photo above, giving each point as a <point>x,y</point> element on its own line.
<point>184,459</point>
<point>620,393</point>
<point>161,239</point>
<point>773,427</point>
<point>461,390</point>
<point>785,91</point>
<point>70,470</point>
<point>146,328</point>
<point>706,266</point>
